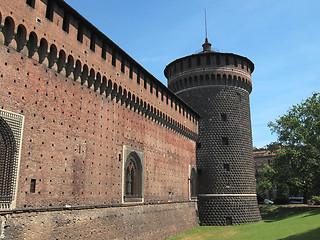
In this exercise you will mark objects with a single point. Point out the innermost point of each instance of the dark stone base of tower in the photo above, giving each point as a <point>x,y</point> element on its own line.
<point>220,211</point>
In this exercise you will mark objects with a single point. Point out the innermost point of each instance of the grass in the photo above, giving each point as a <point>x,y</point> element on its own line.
<point>279,222</point>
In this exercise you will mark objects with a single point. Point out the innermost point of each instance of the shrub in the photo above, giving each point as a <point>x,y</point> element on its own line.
<point>316,200</point>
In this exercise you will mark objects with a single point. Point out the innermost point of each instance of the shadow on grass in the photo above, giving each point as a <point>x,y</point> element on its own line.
<point>277,213</point>
<point>312,234</point>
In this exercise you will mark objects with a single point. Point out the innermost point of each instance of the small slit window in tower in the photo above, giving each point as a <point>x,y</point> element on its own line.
<point>224,117</point>
<point>66,21</point>
<point>131,71</point>
<point>228,221</point>
<point>238,97</point>
<point>138,77</point>
<point>114,57</point>
<point>123,63</point>
<point>225,140</point>
<point>49,11</point>
<point>151,87</point>
<point>145,83</point>
<point>226,166</point>
<point>80,32</point>
<point>93,42</point>
<point>33,186</point>
<point>104,51</point>
<point>31,3</point>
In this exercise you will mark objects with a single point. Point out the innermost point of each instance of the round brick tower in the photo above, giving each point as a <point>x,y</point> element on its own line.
<point>217,85</point>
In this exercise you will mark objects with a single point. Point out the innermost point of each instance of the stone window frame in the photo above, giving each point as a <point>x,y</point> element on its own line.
<point>16,123</point>
<point>193,182</point>
<point>137,157</point>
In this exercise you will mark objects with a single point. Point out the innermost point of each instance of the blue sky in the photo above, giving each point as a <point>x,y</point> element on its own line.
<point>281,37</point>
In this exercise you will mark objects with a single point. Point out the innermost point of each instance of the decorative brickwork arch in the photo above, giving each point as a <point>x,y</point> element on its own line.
<point>8,151</point>
<point>133,178</point>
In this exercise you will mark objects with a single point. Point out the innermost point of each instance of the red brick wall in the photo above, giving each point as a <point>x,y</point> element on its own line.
<point>61,117</point>
<point>73,140</point>
<point>53,33</point>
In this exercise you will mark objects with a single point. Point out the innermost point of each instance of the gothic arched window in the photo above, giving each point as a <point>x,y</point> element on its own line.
<point>133,177</point>
<point>8,151</point>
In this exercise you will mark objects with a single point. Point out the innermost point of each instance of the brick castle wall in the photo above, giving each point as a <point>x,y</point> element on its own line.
<point>82,106</point>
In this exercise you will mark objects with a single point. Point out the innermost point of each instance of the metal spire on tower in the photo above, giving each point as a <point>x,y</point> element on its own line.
<point>206,46</point>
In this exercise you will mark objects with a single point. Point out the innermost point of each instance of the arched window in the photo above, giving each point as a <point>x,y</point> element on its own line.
<point>11,125</point>
<point>193,183</point>
<point>133,178</point>
<point>8,152</point>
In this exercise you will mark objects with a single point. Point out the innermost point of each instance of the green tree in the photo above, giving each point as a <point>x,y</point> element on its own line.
<point>298,130</point>
<point>265,179</point>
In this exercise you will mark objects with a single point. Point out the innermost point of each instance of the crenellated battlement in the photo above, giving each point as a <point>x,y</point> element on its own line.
<point>209,68</point>
<point>58,37</point>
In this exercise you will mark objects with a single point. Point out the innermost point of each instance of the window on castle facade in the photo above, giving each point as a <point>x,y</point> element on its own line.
<point>224,117</point>
<point>138,77</point>
<point>33,186</point>
<point>226,166</point>
<point>49,11</point>
<point>7,157</point>
<point>66,21</point>
<point>104,51</point>
<point>133,178</point>
<point>131,71</point>
<point>114,57</point>
<point>31,3</point>
<point>193,183</point>
<point>80,32</point>
<point>11,125</point>
<point>225,141</point>
<point>123,64</point>
<point>93,42</point>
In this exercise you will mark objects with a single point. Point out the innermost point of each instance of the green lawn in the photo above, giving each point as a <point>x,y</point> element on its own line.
<point>290,223</point>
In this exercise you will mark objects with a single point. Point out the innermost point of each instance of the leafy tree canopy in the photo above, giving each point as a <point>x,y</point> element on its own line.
<point>297,167</point>
<point>300,126</point>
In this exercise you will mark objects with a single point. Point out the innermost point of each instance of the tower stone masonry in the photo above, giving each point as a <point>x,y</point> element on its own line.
<point>217,85</point>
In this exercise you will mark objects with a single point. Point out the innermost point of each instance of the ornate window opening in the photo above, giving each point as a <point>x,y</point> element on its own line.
<point>133,178</point>
<point>31,3</point>
<point>8,150</point>
<point>10,141</point>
